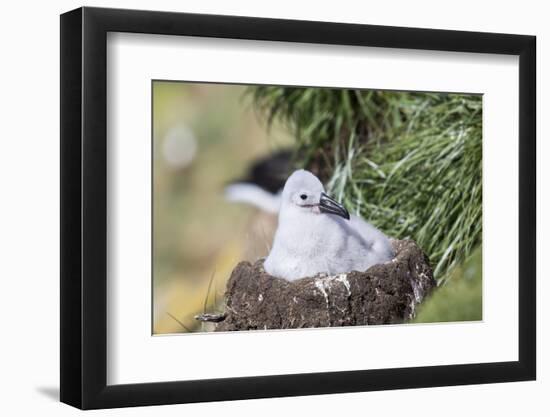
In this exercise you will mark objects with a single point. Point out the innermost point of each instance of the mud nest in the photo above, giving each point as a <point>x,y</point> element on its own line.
<point>387,293</point>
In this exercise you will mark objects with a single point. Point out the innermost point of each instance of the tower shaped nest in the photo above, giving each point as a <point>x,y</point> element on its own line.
<point>384,294</point>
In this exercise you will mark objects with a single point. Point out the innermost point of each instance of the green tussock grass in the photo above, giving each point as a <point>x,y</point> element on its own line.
<point>461,299</point>
<point>410,163</point>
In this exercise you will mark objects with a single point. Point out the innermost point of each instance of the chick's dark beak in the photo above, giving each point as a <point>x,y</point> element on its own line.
<point>328,205</point>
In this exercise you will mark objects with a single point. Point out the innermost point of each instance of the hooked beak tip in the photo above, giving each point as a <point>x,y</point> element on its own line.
<point>328,205</point>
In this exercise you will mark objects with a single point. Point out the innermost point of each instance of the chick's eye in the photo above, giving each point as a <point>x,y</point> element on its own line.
<point>303,196</point>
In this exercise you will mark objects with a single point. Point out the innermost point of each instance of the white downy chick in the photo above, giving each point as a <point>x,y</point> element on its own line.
<point>316,234</point>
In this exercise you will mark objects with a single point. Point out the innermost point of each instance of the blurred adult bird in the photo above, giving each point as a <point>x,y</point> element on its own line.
<point>316,234</point>
<point>262,185</point>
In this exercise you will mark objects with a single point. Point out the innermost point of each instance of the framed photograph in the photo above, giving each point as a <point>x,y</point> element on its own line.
<point>257,208</point>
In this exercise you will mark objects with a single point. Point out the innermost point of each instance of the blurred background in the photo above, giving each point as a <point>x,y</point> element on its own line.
<point>204,136</point>
<point>408,162</point>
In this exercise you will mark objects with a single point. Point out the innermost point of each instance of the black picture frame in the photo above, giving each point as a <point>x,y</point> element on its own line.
<point>84,207</point>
